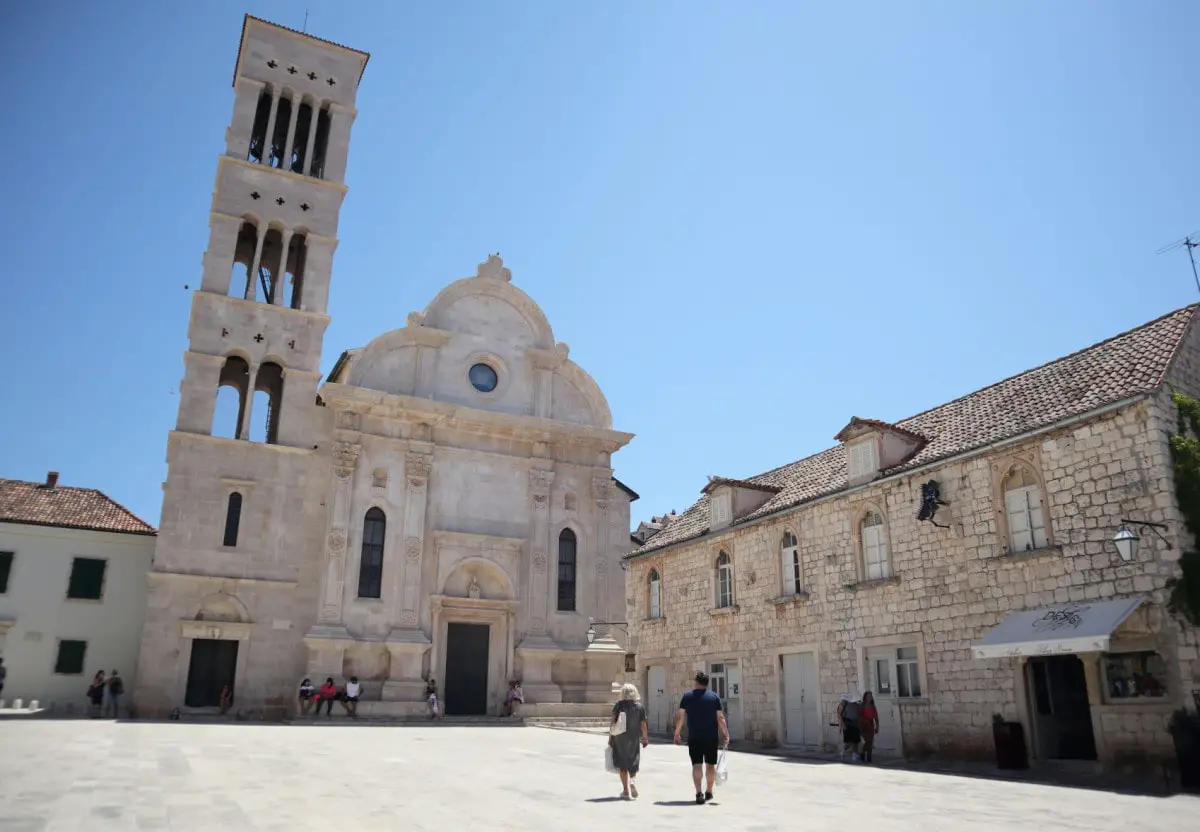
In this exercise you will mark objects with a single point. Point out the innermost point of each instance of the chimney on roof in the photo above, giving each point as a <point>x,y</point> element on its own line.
<point>51,480</point>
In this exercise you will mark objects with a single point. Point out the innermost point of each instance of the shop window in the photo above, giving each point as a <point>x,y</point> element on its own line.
<point>1141,675</point>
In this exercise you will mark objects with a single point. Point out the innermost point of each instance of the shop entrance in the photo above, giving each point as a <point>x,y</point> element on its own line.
<point>1062,717</point>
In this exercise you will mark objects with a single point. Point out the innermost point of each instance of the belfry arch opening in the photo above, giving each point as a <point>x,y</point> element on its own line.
<point>298,128</point>
<point>232,389</point>
<point>271,271</point>
<point>268,395</point>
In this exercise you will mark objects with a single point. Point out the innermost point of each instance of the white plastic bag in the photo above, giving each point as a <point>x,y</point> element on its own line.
<point>609,765</point>
<point>618,727</point>
<point>722,766</point>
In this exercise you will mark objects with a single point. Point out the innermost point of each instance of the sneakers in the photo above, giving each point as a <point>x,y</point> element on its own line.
<point>633,790</point>
<point>700,798</point>
<point>707,796</point>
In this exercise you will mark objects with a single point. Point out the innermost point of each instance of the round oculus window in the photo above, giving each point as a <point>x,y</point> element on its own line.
<point>483,378</point>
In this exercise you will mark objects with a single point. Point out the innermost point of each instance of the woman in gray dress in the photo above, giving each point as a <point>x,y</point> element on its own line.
<point>628,744</point>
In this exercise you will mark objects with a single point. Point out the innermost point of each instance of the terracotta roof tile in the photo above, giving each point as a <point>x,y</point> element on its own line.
<point>33,503</point>
<point>717,482</point>
<point>1127,365</point>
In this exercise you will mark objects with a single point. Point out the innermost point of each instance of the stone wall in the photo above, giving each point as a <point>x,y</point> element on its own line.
<point>949,587</point>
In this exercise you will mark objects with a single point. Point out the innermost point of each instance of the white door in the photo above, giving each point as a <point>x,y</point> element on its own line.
<point>658,714</point>
<point>882,682</point>
<point>801,715</point>
<point>725,680</point>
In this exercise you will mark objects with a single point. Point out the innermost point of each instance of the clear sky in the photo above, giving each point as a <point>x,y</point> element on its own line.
<point>750,221</point>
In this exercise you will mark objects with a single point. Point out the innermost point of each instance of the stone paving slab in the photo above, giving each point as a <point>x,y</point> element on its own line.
<point>101,775</point>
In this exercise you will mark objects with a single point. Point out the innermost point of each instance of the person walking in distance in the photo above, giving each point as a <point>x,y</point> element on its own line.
<point>847,714</point>
<point>116,687</point>
<point>3,674</point>
<point>706,728</point>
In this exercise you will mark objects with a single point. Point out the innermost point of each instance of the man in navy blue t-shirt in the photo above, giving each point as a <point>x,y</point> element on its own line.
<point>706,726</point>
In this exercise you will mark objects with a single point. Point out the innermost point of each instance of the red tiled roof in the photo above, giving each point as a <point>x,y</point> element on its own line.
<point>33,503</point>
<point>1127,365</point>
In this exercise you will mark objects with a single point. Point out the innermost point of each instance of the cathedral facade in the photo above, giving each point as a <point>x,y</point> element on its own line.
<point>442,505</point>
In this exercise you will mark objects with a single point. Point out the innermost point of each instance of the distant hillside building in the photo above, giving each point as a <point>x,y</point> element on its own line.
<point>959,564</point>
<point>73,566</point>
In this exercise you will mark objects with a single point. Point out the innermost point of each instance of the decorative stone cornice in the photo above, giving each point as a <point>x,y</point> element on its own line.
<point>486,422</point>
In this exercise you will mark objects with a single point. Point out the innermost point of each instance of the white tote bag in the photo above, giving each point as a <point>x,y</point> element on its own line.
<point>722,766</point>
<point>618,727</point>
<point>609,765</point>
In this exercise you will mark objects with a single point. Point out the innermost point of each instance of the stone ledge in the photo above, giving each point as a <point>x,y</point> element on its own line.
<point>1031,553</point>
<point>652,622</point>
<point>893,580</point>
<point>795,597</point>
<point>730,610</point>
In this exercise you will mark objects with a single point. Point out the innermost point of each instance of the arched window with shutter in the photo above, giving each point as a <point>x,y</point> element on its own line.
<point>370,566</point>
<point>789,564</point>
<point>655,594</point>
<point>723,581</point>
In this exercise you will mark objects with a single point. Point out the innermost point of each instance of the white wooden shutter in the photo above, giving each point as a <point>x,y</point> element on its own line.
<point>874,552</point>
<point>1026,519</point>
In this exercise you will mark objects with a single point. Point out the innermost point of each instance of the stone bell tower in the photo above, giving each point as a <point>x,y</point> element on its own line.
<point>231,588</point>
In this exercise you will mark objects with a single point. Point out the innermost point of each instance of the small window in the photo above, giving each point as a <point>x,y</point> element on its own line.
<point>567,546</point>
<point>724,581</point>
<point>1141,675</point>
<point>6,559</point>
<point>70,657</point>
<point>233,518</point>
<point>655,594</point>
<point>87,579</point>
<point>789,564</point>
<point>874,548</point>
<point>908,676</point>
<point>483,377</point>
<point>1024,511</point>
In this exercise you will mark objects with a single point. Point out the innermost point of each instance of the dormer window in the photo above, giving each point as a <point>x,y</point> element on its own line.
<point>731,500</point>
<point>864,461</point>
<point>873,446</point>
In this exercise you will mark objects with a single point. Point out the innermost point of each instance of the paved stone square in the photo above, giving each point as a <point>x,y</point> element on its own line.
<point>83,775</point>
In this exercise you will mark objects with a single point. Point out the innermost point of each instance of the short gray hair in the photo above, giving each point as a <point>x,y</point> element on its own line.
<point>629,691</point>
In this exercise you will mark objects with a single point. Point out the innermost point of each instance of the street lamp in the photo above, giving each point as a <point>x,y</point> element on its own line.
<point>591,633</point>
<point>591,630</point>
<point>1126,539</point>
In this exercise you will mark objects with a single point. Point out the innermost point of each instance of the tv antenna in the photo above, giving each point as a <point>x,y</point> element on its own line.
<point>1190,242</point>
<point>305,27</point>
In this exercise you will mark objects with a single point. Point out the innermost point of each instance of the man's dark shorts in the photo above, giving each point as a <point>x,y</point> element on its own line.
<point>703,751</point>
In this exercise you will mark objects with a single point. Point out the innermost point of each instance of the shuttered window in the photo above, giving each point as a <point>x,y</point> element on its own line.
<point>655,594</point>
<point>874,546</point>
<point>789,564</point>
<point>1024,511</point>
<point>724,582</point>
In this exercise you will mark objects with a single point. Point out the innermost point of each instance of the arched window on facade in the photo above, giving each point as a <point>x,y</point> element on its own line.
<point>789,564</point>
<point>655,594</point>
<point>233,519</point>
<point>370,565</point>
<point>240,282</point>
<point>567,546</point>
<point>1024,510</point>
<point>876,564</point>
<point>723,581</point>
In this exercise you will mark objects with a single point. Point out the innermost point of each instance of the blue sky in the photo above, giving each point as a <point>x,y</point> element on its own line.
<point>750,221</point>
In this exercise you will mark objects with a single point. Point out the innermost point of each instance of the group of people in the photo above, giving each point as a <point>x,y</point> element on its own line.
<point>858,719</point>
<point>312,698</point>
<point>104,695</point>
<point>707,733</point>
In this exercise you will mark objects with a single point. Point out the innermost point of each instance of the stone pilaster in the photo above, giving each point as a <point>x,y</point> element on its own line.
<point>538,650</point>
<point>406,642</point>
<point>328,638</point>
<point>602,489</point>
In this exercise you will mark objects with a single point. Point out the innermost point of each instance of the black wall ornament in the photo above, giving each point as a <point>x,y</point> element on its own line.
<point>930,500</point>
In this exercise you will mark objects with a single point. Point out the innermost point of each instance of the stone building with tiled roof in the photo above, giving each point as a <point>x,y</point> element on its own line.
<point>958,564</point>
<point>73,566</point>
